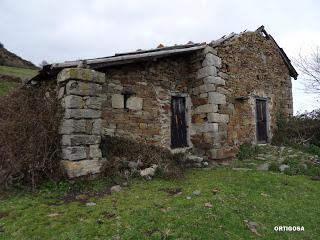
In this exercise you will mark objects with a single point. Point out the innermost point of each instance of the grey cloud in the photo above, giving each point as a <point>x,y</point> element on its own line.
<point>71,29</point>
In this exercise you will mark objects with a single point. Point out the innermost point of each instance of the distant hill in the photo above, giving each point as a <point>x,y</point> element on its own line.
<point>14,70</point>
<point>10,59</point>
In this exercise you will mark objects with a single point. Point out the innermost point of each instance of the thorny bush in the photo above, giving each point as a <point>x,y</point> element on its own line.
<point>29,137</point>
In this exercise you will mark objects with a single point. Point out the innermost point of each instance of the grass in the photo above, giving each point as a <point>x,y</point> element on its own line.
<point>299,159</point>
<point>143,211</point>
<point>5,87</point>
<point>22,73</point>
<point>17,72</point>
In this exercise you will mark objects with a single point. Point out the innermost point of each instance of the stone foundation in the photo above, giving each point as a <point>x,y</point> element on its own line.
<point>79,91</point>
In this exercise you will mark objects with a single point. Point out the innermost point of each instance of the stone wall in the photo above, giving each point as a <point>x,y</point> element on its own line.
<point>255,69</point>
<point>134,101</point>
<point>147,89</point>
<point>209,121</point>
<point>79,91</point>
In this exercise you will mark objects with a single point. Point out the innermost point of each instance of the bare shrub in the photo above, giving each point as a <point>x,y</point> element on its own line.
<point>121,153</point>
<point>301,129</point>
<point>309,65</point>
<point>29,140</point>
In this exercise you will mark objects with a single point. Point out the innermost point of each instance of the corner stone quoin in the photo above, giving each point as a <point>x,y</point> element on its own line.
<point>82,104</point>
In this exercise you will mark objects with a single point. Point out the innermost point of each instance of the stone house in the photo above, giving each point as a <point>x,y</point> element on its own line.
<point>206,98</point>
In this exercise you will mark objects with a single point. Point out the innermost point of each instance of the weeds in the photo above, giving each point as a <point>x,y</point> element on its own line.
<point>247,151</point>
<point>29,139</point>
<point>127,157</point>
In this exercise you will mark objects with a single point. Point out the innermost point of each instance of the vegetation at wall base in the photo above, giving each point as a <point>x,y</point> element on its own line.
<point>126,158</point>
<point>29,137</point>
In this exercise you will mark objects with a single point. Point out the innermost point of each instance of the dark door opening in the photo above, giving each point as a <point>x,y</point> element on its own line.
<point>178,122</point>
<point>261,119</point>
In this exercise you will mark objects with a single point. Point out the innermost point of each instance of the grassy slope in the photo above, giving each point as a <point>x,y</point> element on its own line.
<point>143,212</point>
<point>17,72</point>
<point>5,87</point>
<point>22,73</point>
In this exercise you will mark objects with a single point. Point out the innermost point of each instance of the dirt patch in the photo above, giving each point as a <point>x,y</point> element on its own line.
<point>172,191</point>
<point>83,197</point>
<point>4,214</point>
<point>108,215</point>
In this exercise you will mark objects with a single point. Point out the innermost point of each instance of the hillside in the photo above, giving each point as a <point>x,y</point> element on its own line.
<point>13,70</point>
<point>11,77</point>
<point>10,59</point>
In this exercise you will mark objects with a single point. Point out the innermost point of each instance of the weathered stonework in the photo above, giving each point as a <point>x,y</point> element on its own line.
<point>220,84</point>
<point>255,69</point>
<point>80,129</point>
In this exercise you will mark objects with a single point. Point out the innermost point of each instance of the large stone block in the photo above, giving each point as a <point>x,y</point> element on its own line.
<point>96,126</point>
<point>209,49</point>
<point>94,102</point>
<point>82,113</point>
<point>218,118</point>
<point>81,168</point>
<point>206,108</point>
<point>73,101</point>
<point>211,60</point>
<point>117,101</point>
<point>61,92</point>
<point>203,89</point>
<point>76,140</point>
<point>82,74</point>
<point>83,88</point>
<point>69,126</point>
<point>95,151</point>
<point>217,98</point>
<point>214,80</point>
<point>206,127</point>
<point>74,153</point>
<point>207,71</point>
<point>135,103</point>
<point>222,153</point>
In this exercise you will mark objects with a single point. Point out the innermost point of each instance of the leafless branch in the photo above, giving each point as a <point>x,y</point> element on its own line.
<point>309,66</point>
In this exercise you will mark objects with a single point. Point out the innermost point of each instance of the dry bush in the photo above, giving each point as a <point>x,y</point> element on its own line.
<point>301,129</point>
<point>121,153</point>
<point>29,140</point>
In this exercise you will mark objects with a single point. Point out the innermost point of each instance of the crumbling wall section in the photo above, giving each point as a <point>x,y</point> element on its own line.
<point>79,91</point>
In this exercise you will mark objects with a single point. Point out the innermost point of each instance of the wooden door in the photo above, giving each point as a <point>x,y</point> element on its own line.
<point>261,119</point>
<point>178,122</point>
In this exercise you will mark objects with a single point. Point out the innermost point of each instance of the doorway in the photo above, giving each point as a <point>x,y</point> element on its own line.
<point>178,122</point>
<point>261,120</point>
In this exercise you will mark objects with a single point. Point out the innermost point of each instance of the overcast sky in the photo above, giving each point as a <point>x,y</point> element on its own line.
<point>59,30</point>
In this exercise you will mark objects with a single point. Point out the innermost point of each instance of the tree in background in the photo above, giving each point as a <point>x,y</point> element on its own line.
<point>43,63</point>
<point>309,66</point>
<point>1,45</point>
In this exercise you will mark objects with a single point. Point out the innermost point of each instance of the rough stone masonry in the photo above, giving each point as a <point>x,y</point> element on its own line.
<point>208,98</point>
<point>79,91</point>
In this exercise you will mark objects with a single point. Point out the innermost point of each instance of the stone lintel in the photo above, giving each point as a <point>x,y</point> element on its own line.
<point>82,74</point>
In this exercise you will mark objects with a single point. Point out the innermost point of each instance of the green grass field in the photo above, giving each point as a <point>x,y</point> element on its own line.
<point>22,73</point>
<point>17,72</point>
<point>144,210</point>
<point>5,87</point>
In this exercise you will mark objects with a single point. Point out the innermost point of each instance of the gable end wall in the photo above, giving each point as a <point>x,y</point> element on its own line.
<point>255,69</point>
